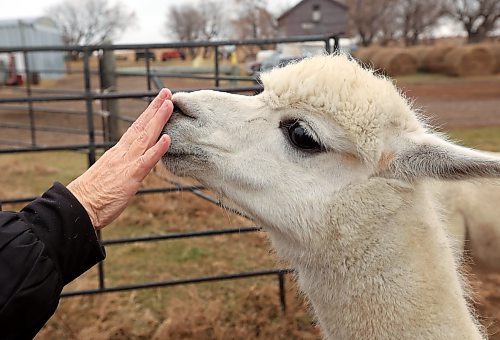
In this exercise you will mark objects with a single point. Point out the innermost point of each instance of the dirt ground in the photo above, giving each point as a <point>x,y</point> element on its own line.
<point>243,309</point>
<point>455,102</point>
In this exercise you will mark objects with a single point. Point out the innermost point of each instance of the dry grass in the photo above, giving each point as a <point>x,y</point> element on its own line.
<point>222,311</point>
<point>247,308</point>
<point>487,138</point>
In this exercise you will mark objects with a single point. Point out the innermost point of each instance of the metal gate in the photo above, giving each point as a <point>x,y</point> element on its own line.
<point>34,98</point>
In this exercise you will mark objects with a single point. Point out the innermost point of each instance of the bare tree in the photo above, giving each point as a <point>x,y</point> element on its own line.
<point>213,19</point>
<point>389,29</point>
<point>478,17</point>
<point>90,21</point>
<point>184,23</point>
<point>201,23</point>
<point>370,18</point>
<point>188,22</point>
<point>418,16</point>
<point>254,20</point>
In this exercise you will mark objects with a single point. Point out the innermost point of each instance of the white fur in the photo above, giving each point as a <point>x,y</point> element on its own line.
<point>472,218</point>
<point>357,220</point>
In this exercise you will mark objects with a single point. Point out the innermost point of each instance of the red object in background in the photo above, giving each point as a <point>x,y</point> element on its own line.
<point>172,54</point>
<point>13,79</point>
<point>19,80</point>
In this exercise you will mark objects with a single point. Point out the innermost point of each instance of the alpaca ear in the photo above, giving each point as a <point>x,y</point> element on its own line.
<point>437,158</point>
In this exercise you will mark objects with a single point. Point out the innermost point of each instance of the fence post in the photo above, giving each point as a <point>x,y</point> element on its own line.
<point>108,84</point>
<point>147,51</point>
<point>328,47</point>
<point>217,80</point>
<point>27,72</point>
<point>91,131</point>
<point>281,279</point>
<point>336,44</point>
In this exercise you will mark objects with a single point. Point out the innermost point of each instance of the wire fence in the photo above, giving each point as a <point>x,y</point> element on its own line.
<point>32,97</point>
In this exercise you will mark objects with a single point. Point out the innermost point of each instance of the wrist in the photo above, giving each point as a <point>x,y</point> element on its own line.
<point>76,189</point>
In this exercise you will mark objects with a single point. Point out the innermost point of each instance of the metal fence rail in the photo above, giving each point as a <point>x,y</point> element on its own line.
<point>326,38</point>
<point>88,95</point>
<point>121,95</point>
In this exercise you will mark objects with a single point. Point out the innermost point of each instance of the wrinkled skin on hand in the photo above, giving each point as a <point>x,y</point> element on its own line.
<point>106,188</point>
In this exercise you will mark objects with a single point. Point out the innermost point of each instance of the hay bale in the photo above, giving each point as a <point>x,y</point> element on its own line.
<point>419,53</point>
<point>470,60</point>
<point>366,54</point>
<point>395,61</point>
<point>434,60</point>
<point>495,49</point>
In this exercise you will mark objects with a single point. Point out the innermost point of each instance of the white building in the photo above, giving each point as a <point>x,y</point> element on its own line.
<point>34,32</point>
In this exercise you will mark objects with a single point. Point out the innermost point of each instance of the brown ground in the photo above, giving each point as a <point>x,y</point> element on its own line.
<point>238,309</point>
<point>487,288</point>
<point>456,102</point>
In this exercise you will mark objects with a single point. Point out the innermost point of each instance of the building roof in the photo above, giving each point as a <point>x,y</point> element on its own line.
<point>288,11</point>
<point>43,23</point>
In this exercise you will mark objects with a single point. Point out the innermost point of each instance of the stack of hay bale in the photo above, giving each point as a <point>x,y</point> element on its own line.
<point>434,61</point>
<point>460,61</point>
<point>473,60</point>
<point>391,61</point>
<point>495,49</point>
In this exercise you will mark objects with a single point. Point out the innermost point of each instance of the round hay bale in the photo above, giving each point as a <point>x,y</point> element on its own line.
<point>434,60</point>
<point>366,54</point>
<point>495,49</point>
<point>395,62</point>
<point>419,53</point>
<point>472,60</point>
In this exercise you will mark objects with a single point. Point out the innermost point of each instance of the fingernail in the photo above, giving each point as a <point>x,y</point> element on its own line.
<point>166,92</point>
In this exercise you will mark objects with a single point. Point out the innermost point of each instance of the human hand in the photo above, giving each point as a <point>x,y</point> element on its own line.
<point>107,186</point>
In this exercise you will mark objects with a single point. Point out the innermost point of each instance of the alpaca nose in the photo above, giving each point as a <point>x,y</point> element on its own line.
<point>177,113</point>
<point>184,112</point>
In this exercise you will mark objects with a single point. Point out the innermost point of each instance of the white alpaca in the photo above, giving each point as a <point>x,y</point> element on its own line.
<point>473,219</point>
<point>334,164</point>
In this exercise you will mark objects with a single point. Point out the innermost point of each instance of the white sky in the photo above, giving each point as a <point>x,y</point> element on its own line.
<point>150,15</point>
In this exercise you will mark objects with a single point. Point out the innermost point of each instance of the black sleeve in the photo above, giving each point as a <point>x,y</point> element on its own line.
<point>42,248</point>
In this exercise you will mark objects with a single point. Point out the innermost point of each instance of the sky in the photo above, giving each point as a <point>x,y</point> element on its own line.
<point>150,15</point>
<point>149,26</point>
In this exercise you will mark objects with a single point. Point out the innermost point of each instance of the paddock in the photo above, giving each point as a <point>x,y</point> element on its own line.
<point>163,239</point>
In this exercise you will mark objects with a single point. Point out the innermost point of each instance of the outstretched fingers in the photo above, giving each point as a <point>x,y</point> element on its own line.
<point>153,107</point>
<point>157,124</point>
<point>135,130</point>
<point>149,135</point>
<point>148,160</point>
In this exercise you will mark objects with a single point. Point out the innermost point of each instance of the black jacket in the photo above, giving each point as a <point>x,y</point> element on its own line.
<point>42,248</point>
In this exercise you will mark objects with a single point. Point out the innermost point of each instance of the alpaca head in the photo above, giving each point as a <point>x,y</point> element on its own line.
<point>319,126</point>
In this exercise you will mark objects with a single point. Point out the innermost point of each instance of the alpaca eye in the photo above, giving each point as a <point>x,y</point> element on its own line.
<point>300,137</point>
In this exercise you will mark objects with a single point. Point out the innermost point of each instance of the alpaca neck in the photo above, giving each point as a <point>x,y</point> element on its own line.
<point>387,274</point>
